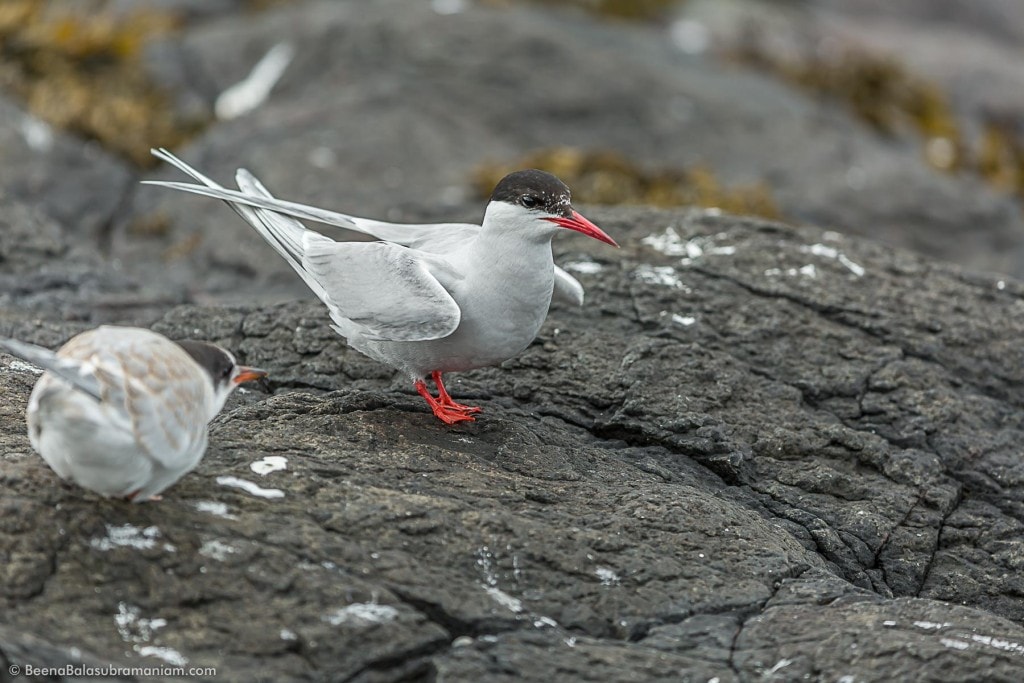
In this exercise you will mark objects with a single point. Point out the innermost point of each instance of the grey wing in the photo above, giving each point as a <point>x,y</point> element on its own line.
<point>166,406</point>
<point>433,238</point>
<point>567,288</point>
<point>79,373</point>
<point>149,386</point>
<point>282,233</point>
<point>387,290</point>
<point>261,200</point>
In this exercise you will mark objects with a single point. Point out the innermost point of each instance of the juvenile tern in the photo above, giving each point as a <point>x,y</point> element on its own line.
<point>123,411</point>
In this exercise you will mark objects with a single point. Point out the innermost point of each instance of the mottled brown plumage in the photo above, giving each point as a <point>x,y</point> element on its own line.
<point>122,411</point>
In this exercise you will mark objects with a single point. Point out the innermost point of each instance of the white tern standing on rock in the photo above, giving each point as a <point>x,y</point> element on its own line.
<point>123,411</point>
<point>426,299</point>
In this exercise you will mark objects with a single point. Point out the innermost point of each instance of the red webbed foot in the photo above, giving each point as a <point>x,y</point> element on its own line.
<point>444,408</point>
<point>134,494</point>
<point>446,399</point>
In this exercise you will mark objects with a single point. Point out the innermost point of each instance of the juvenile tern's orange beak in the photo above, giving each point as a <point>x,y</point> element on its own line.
<point>248,374</point>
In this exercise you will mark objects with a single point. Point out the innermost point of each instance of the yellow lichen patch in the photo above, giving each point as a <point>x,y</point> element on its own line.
<point>183,248</point>
<point>1000,157</point>
<point>885,95</point>
<point>81,71</point>
<point>879,91</point>
<point>610,178</point>
<point>260,5</point>
<point>636,10</point>
<point>150,225</point>
<point>15,13</point>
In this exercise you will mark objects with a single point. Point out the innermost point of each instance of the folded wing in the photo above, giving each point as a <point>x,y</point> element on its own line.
<point>385,290</point>
<point>145,382</point>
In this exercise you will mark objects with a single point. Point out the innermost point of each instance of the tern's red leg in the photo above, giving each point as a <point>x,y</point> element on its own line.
<point>444,413</point>
<point>131,496</point>
<point>447,401</point>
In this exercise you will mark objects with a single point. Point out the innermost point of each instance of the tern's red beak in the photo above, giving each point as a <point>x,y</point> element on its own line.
<point>248,374</point>
<point>580,224</point>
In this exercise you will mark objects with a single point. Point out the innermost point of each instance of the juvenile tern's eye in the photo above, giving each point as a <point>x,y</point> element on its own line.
<point>529,202</point>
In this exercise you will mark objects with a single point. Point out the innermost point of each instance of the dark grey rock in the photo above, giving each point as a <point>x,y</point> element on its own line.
<point>999,19</point>
<point>23,650</point>
<point>77,183</point>
<point>50,271</point>
<point>789,457</point>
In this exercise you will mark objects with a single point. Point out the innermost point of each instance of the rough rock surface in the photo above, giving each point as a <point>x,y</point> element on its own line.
<point>790,454</point>
<point>45,270</point>
<point>758,453</point>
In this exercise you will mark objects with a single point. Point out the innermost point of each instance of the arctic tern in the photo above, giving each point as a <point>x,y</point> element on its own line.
<point>425,299</point>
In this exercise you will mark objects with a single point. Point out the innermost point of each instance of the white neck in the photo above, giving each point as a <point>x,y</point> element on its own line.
<point>512,252</point>
<point>218,396</point>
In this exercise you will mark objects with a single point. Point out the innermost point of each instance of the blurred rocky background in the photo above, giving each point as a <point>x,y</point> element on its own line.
<point>780,441</point>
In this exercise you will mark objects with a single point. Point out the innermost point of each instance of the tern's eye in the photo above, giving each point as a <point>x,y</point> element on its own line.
<point>225,372</point>
<point>529,201</point>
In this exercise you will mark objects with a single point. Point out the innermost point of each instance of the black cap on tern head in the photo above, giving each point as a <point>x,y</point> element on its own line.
<point>217,362</point>
<point>534,189</point>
